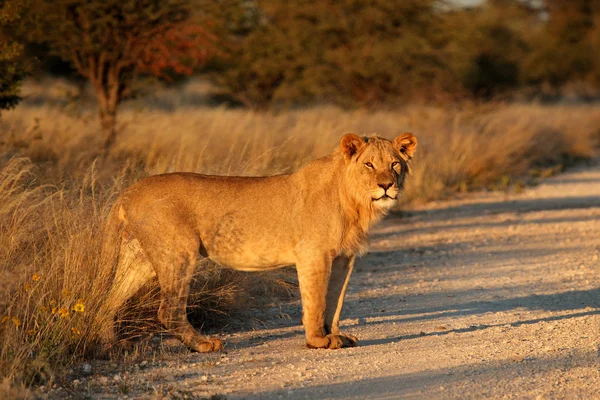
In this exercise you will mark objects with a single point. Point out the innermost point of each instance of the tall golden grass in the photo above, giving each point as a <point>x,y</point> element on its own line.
<point>55,191</point>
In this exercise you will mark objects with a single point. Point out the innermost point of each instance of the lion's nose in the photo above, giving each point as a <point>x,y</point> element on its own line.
<point>385,186</point>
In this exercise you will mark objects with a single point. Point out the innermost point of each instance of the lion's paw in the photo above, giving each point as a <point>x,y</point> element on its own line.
<point>332,341</point>
<point>208,345</point>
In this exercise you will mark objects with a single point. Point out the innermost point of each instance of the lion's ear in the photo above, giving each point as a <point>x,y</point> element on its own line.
<point>350,144</point>
<point>406,143</point>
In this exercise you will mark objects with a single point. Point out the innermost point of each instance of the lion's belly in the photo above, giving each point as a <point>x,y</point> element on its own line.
<point>250,253</point>
<point>248,260</point>
<point>238,242</point>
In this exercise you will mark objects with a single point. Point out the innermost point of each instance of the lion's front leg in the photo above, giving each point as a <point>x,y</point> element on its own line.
<point>341,269</point>
<point>313,276</point>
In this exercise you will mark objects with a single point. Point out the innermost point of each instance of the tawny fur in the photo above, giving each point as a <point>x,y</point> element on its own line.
<point>317,219</point>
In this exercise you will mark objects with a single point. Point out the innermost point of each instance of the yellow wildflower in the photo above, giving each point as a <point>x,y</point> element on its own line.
<point>52,302</point>
<point>36,277</point>
<point>66,293</point>
<point>44,309</point>
<point>54,310</point>
<point>75,331</point>
<point>31,332</point>
<point>5,318</point>
<point>16,321</point>
<point>27,287</point>
<point>79,307</point>
<point>63,313</point>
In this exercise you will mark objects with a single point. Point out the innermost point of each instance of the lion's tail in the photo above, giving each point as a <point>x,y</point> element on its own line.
<point>107,263</point>
<point>111,240</point>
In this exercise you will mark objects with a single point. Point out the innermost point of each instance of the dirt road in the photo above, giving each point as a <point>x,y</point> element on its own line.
<point>491,297</point>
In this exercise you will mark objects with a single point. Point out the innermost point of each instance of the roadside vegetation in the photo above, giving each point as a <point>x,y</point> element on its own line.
<point>56,190</point>
<point>500,95</point>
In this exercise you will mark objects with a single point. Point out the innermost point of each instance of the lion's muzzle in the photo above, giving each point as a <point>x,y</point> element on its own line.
<point>385,192</point>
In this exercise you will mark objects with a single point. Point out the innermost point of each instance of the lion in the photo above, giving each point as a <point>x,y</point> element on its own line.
<point>316,219</point>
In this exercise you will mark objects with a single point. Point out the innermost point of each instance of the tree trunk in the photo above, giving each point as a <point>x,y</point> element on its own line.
<point>108,121</point>
<point>105,80</point>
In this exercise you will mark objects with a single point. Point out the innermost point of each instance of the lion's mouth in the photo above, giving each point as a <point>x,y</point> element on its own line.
<point>385,197</point>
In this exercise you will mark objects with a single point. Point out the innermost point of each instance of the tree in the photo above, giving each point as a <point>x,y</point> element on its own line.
<point>565,50</point>
<point>348,52</point>
<point>487,44</point>
<point>111,42</point>
<point>12,67</point>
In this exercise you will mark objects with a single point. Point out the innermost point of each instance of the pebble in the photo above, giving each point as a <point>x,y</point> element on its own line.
<point>86,368</point>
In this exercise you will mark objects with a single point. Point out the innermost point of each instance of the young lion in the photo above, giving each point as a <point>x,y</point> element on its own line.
<point>316,219</point>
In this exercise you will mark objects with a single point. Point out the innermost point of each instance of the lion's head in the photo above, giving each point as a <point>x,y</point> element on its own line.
<point>376,168</point>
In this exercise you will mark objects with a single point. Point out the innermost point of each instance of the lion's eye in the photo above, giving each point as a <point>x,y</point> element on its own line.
<point>369,165</point>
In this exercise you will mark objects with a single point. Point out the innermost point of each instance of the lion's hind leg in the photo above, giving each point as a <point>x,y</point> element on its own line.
<point>174,269</point>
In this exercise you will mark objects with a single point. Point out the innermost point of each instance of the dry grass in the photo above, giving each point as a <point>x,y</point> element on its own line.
<point>55,193</point>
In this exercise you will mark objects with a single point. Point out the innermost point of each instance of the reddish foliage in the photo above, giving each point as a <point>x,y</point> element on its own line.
<point>179,48</point>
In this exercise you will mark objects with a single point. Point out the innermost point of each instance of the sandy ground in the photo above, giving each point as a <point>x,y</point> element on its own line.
<point>492,297</point>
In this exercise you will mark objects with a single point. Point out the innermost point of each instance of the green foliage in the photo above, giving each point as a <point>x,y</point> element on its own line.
<point>368,53</point>
<point>487,45</point>
<point>566,46</point>
<point>346,52</point>
<point>12,67</point>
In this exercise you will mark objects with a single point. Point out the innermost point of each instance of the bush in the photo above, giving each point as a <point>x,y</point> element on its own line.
<point>12,67</point>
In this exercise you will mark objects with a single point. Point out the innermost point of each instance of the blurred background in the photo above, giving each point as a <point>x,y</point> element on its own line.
<point>97,94</point>
<point>273,54</point>
<point>155,81</point>
<point>265,54</point>
<point>276,54</point>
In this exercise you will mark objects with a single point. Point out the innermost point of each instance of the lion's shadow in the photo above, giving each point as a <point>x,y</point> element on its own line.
<point>580,302</point>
